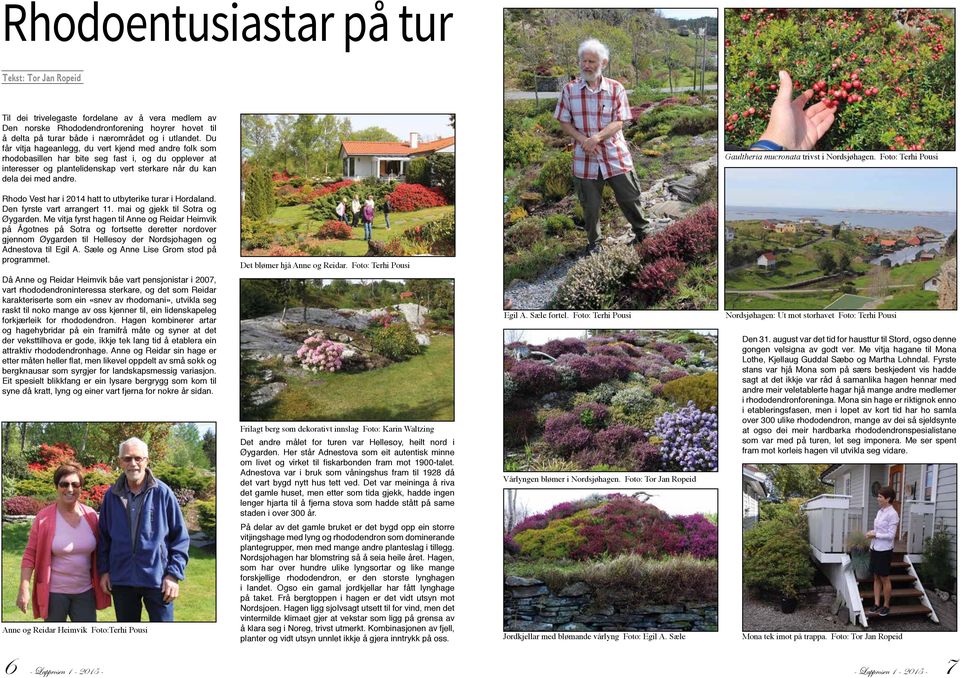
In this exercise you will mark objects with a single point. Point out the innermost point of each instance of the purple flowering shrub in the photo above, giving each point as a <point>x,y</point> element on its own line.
<point>566,434</point>
<point>610,447</point>
<point>670,375</point>
<point>22,506</point>
<point>534,378</point>
<point>592,415</point>
<point>688,439</point>
<point>609,526</point>
<point>510,547</point>
<point>673,352</point>
<point>645,457</point>
<point>700,535</point>
<point>558,347</point>
<point>595,369</point>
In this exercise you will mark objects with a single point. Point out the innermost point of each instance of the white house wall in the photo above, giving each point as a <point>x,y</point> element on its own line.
<point>946,505</point>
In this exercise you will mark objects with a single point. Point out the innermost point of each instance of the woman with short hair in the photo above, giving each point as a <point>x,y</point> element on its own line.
<point>60,556</point>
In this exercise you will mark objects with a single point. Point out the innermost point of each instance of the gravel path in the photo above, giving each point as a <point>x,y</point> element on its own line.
<point>759,615</point>
<point>527,296</point>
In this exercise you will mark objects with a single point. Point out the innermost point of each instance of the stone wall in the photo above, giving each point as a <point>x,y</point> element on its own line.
<point>529,605</point>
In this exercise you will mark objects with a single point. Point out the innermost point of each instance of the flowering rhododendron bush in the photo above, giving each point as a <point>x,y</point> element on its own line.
<point>889,74</point>
<point>626,401</point>
<point>318,354</point>
<point>605,527</point>
<point>410,197</point>
<point>334,229</point>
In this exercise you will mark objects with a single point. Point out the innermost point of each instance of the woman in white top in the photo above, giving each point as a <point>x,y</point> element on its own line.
<point>881,549</point>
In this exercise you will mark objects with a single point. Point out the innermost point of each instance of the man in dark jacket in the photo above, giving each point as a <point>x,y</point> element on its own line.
<point>144,544</point>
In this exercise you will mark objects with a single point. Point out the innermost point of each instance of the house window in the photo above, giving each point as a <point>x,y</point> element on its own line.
<point>349,167</point>
<point>930,482</point>
<point>845,484</point>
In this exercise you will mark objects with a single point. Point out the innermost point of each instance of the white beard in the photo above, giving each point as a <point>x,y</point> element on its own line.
<point>585,76</point>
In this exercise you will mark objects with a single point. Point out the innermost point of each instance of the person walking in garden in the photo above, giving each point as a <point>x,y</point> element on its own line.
<point>368,214</point>
<point>386,211</point>
<point>342,211</point>
<point>881,549</point>
<point>355,207</point>
<point>144,545</point>
<point>592,110</point>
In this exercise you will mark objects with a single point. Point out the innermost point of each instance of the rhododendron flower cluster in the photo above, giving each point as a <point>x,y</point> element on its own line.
<point>410,197</point>
<point>318,354</point>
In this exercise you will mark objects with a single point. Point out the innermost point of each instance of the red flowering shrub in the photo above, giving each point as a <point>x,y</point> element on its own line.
<point>658,279</point>
<point>646,457</point>
<point>689,239</point>
<point>334,229</point>
<point>700,536</point>
<point>627,525</point>
<point>94,496</point>
<point>672,352</point>
<point>410,197</point>
<point>22,506</point>
<point>52,456</point>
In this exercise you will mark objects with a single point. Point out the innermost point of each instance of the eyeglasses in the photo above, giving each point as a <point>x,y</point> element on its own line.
<point>66,486</point>
<point>127,460</point>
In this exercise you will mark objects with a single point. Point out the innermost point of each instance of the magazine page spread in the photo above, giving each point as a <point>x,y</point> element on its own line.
<point>252,351</point>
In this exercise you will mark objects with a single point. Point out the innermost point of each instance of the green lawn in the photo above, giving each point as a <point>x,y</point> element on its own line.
<point>198,592</point>
<point>297,229</point>
<point>814,301</point>
<point>849,302</point>
<point>907,274</point>
<point>911,300</point>
<point>418,389</point>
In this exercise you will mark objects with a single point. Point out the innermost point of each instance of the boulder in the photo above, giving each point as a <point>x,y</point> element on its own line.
<point>673,209</point>
<point>685,188</point>
<point>265,394</point>
<point>423,340</point>
<point>414,314</point>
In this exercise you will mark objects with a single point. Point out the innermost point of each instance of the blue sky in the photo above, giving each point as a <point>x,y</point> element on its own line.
<point>915,189</point>
<point>685,14</point>
<point>401,125</point>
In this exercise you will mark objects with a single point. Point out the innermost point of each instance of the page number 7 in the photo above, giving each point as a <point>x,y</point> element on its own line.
<point>953,664</point>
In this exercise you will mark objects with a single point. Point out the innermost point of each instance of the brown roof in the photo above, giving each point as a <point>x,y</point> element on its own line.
<point>769,255</point>
<point>394,147</point>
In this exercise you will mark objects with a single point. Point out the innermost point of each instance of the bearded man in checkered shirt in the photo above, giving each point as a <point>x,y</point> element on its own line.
<point>592,110</point>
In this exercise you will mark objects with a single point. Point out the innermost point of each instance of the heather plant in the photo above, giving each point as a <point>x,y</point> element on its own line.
<point>591,415</point>
<point>656,280</point>
<point>534,378</point>
<point>634,400</point>
<point>524,234</point>
<point>597,282</point>
<point>610,446</point>
<point>700,535</point>
<point>566,434</point>
<point>559,539</point>
<point>596,369</point>
<point>509,388</point>
<point>672,352</point>
<point>646,457</point>
<point>558,224</point>
<point>688,439</point>
<point>690,239</point>
<point>558,347</point>
<point>671,375</point>
<point>568,378</point>
<point>701,389</point>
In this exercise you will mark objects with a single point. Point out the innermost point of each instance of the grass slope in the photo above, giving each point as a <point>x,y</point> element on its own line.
<point>198,592</point>
<point>419,389</point>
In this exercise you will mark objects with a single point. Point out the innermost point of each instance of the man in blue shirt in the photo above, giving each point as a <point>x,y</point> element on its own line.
<point>144,545</point>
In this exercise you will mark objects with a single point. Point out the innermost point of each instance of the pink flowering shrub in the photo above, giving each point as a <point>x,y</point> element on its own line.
<point>700,535</point>
<point>658,279</point>
<point>690,239</point>
<point>317,354</point>
<point>558,347</point>
<point>611,447</point>
<point>22,506</point>
<point>566,434</point>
